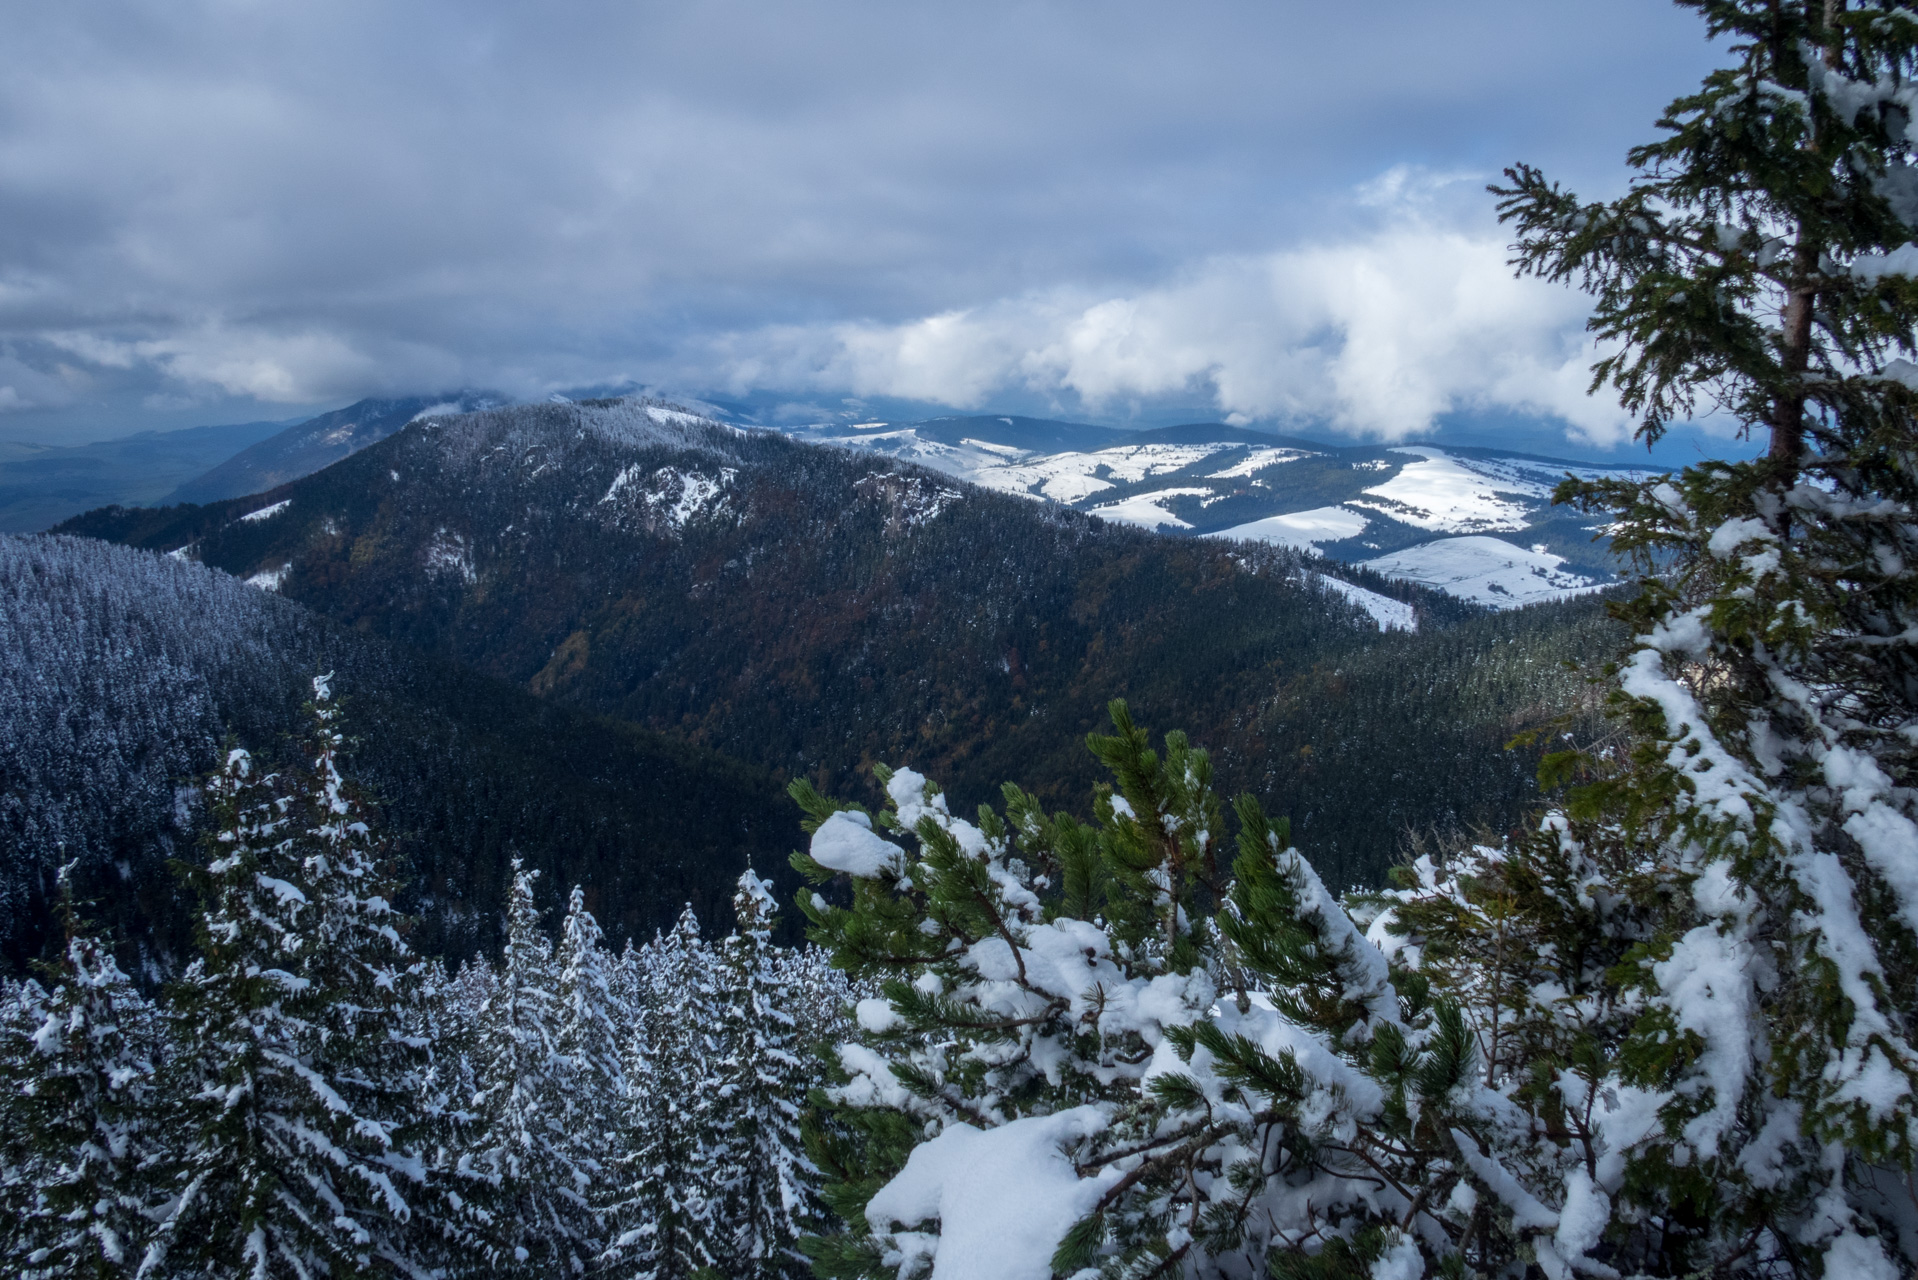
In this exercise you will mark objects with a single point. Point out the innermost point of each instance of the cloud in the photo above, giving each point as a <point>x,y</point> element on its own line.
<point>270,202</point>
<point>1377,335</point>
<point>40,385</point>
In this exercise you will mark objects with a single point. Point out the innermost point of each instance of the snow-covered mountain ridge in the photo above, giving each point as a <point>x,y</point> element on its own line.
<point>1475,523</point>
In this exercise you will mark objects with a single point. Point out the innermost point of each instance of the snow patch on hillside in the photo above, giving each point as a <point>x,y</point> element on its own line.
<point>267,513</point>
<point>1447,495</point>
<point>1144,510</point>
<point>269,579</point>
<point>1258,460</point>
<point>1487,571</point>
<point>1070,477</point>
<point>1303,529</point>
<point>961,461</point>
<point>1390,614</point>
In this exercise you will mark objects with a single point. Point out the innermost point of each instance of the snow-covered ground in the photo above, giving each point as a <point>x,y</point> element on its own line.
<point>1070,477</point>
<point>1446,495</point>
<point>1452,498</point>
<point>1300,528</point>
<point>964,460</point>
<point>1258,460</point>
<point>1390,614</point>
<point>269,579</point>
<point>1489,571</point>
<point>1144,510</point>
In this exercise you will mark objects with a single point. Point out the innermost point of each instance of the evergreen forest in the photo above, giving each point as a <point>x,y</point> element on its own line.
<point>1140,908</point>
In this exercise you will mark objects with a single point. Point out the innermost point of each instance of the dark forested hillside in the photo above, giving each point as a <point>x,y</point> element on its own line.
<point>813,611</point>
<point>122,673</point>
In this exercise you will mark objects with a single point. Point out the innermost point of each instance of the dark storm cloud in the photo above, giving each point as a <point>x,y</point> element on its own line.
<point>294,203</point>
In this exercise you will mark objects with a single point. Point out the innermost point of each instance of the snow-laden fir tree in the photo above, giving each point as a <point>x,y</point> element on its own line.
<point>1762,1113</point>
<point>662,1201</point>
<point>294,1076</point>
<point>23,1011</point>
<point>763,1183</point>
<point>79,1114</point>
<point>589,1020</point>
<point>542,1223</point>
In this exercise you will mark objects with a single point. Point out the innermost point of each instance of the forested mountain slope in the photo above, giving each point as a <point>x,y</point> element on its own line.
<point>122,673</point>
<point>813,610</point>
<point>305,447</point>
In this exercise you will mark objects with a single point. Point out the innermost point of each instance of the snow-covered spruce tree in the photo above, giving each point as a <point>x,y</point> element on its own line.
<point>589,1020</point>
<point>1761,1115</point>
<point>1098,1049</point>
<point>23,1011</point>
<point>295,1077</point>
<point>662,1199</point>
<point>541,1221</point>
<point>78,1111</point>
<point>764,1184</point>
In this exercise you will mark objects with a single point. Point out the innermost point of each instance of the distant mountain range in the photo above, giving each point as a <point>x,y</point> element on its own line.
<point>1474,523</point>
<point>813,609</point>
<point>41,484</point>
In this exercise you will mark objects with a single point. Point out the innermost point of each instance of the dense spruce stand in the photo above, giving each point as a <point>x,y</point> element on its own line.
<point>313,1098</point>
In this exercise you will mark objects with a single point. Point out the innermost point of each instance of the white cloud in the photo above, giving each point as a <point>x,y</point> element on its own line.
<point>23,387</point>
<point>1375,335</point>
<point>296,368</point>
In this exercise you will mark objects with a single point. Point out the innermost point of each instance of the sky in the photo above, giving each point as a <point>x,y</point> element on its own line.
<point>1263,211</point>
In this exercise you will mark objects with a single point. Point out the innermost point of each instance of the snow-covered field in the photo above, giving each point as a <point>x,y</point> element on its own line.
<point>1446,495</point>
<point>1071,477</point>
<point>1489,571</point>
<point>1304,529</point>
<point>1451,499</point>
<point>1144,510</point>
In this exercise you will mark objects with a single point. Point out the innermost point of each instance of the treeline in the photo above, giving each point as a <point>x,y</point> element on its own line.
<point>314,1097</point>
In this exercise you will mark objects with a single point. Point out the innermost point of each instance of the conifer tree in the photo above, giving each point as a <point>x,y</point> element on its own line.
<point>1762,264</point>
<point>1111,1079</point>
<point>79,1112</point>
<point>588,1038</point>
<point>295,1073</point>
<point>764,1182</point>
<point>541,1220</point>
<point>23,1011</point>
<point>663,1203</point>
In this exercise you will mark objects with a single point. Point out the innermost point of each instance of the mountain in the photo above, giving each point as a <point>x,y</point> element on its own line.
<point>811,610</point>
<point>1474,523</point>
<point>42,484</point>
<point>305,447</point>
<point>124,673</point>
